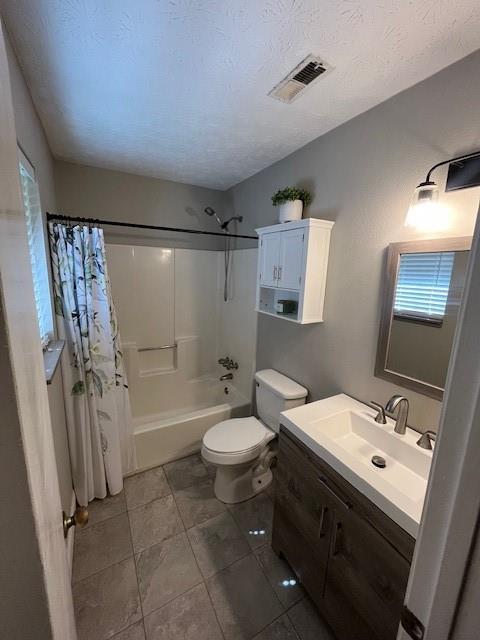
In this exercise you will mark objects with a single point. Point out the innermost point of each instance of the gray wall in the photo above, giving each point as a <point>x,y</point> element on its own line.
<point>362,175</point>
<point>100,193</point>
<point>32,140</point>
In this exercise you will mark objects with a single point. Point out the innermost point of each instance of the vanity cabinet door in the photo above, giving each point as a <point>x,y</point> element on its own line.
<point>306,509</point>
<point>307,562</point>
<point>298,494</point>
<point>366,580</point>
<point>269,259</point>
<point>302,519</point>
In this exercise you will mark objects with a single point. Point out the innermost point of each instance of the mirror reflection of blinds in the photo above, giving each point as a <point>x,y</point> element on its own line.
<point>423,284</point>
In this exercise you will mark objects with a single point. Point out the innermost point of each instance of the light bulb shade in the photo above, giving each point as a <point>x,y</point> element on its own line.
<point>424,212</point>
<point>425,192</point>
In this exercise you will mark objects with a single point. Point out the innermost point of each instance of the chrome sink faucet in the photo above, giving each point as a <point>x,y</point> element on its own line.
<point>380,417</point>
<point>425,440</point>
<point>402,403</point>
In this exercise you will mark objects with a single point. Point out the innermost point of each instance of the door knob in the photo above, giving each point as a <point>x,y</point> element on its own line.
<point>80,518</point>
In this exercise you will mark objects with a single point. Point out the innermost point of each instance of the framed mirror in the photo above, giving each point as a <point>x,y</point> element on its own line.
<point>424,287</point>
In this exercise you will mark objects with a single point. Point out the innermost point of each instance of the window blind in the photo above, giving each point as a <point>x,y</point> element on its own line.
<point>38,259</point>
<point>423,284</point>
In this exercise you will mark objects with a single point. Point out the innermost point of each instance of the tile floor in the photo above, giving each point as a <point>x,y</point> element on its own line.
<point>165,560</point>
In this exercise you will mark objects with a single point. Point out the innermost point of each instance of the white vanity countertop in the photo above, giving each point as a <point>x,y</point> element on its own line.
<point>342,431</point>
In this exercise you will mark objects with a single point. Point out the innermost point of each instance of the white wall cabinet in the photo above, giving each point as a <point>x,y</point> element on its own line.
<point>292,266</point>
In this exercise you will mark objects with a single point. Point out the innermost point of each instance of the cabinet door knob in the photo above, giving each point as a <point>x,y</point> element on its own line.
<point>279,273</point>
<point>336,539</point>
<point>292,487</point>
<point>274,273</point>
<point>321,532</point>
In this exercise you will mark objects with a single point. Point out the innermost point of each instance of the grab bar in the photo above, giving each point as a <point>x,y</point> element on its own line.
<point>164,346</point>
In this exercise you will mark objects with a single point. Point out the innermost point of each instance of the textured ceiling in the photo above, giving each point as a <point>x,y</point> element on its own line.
<point>178,88</point>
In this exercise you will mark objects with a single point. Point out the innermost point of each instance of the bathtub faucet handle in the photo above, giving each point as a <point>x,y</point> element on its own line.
<point>228,363</point>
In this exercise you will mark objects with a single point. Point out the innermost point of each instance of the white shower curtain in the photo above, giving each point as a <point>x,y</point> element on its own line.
<point>99,422</point>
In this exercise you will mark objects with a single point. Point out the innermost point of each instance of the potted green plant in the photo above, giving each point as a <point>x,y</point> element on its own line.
<point>290,202</point>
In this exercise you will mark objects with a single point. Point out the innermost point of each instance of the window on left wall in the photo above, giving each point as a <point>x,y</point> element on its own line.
<point>37,249</point>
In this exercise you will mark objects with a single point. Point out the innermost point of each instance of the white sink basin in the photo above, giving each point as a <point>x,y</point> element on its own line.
<point>343,432</point>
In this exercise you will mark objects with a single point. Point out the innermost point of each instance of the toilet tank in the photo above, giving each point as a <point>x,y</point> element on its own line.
<point>276,393</point>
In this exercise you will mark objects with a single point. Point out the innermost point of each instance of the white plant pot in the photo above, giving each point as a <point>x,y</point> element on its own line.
<point>291,210</point>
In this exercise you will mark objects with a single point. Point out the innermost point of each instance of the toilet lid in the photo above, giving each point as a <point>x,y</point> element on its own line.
<point>235,435</point>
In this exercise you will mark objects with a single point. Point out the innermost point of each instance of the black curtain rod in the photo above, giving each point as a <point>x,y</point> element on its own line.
<point>133,225</point>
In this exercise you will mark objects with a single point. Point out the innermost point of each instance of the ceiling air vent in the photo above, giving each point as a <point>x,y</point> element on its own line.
<point>298,79</point>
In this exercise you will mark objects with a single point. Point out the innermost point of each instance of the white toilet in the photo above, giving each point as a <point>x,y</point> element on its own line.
<point>239,447</point>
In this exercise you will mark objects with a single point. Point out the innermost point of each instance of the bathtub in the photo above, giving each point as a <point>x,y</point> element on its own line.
<point>173,434</point>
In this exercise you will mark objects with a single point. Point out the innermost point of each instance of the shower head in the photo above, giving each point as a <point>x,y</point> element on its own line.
<point>225,224</point>
<point>211,212</point>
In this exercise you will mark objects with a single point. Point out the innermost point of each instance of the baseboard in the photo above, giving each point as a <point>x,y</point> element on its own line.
<point>71,534</point>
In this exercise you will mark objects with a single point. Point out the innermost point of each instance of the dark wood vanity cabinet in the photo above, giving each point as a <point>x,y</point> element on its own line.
<point>352,559</point>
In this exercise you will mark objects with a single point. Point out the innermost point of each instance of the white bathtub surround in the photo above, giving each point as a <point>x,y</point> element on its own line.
<point>143,290</point>
<point>197,298</point>
<point>176,395</point>
<point>237,321</point>
<point>165,297</point>
<point>95,386</point>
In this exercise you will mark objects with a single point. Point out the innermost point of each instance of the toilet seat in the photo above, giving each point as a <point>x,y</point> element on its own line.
<point>236,435</point>
<point>236,440</point>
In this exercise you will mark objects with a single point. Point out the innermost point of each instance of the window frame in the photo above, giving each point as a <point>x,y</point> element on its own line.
<point>47,333</point>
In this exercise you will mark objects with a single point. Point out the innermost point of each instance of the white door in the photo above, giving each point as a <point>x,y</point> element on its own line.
<point>34,576</point>
<point>269,258</point>
<point>452,506</point>
<point>291,259</point>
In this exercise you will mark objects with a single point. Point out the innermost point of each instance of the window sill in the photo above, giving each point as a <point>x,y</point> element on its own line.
<point>434,322</point>
<point>51,358</point>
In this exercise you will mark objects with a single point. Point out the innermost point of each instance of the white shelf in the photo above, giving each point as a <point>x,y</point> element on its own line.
<point>282,316</point>
<point>268,286</point>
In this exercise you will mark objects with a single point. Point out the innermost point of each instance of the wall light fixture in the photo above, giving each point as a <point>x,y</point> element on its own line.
<point>425,211</point>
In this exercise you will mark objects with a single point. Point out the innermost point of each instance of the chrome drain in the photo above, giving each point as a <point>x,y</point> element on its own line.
<point>380,462</point>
